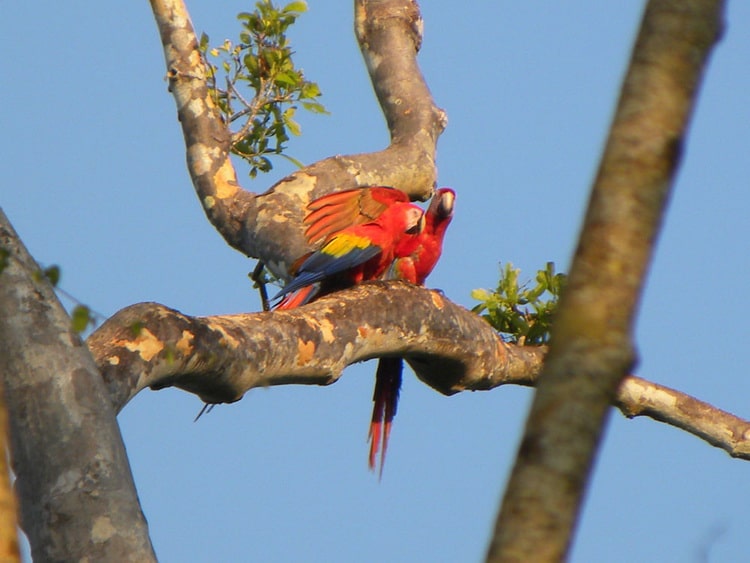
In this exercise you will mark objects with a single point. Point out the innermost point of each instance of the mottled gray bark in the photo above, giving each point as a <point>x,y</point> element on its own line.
<point>76,493</point>
<point>450,349</point>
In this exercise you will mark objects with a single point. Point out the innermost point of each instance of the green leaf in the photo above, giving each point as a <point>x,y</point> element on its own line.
<point>203,42</point>
<point>293,126</point>
<point>315,107</point>
<point>309,91</point>
<point>52,274</point>
<point>480,294</point>
<point>257,86</point>
<point>81,318</point>
<point>293,160</point>
<point>287,78</point>
<point>521,314</point>
<point>299,7</point>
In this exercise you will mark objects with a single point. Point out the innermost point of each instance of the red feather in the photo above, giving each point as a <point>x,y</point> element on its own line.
<point>360,252</point>
<point>415,266</point>
<point>375,213</point>
<point>334,212</point>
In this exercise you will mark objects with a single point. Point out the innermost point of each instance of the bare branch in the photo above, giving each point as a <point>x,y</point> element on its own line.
<point>638,397</point>
<point>77,497</point>
<point>591,349</point>
<point>451,349</point>
<point>267,226</point>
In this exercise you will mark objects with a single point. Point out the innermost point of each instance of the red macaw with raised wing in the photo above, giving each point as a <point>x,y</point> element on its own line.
<point>412,263</point>
<point>363,251</point>
<point>337,211</point>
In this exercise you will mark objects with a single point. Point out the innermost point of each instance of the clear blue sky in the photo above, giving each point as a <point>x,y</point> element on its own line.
<point>95,181</point>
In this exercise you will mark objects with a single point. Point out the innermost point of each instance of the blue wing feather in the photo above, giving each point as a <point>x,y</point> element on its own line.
<point>320,266</point>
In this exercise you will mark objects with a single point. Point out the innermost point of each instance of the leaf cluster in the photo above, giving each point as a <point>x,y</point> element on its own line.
<point>256,85</point>
<point>522,314</point>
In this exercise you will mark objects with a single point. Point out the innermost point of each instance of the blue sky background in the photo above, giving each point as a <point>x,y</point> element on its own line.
<point>95,181</point>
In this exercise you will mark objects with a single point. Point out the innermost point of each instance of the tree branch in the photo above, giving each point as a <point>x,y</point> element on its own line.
<point>268,226</point>
<point>76,494</point>
<point>638,397</point>
<point>451,349</point>
<point>221,357</point>
<point>591,349</point>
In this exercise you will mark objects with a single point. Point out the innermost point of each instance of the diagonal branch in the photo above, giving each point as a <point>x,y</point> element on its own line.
<point>451,349</point>
<point>638,397</point>
<point>591,350</point>
<point>267,226</point>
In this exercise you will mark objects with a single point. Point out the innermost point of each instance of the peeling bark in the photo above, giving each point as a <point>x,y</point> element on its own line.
<point>450,349</point>
<point>268,226</point>
<point>220,358</point>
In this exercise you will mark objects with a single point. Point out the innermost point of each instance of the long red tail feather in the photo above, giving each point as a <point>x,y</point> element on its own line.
<point>297,298</point>
<point>385,399</point>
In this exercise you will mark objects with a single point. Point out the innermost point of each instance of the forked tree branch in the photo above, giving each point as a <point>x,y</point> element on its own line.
<point>267,226</point>
<point>451,349</point>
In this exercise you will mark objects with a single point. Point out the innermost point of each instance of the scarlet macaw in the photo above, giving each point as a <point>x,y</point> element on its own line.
<point>412,263</point>
<point>363,251</point>
<point>414,268</point>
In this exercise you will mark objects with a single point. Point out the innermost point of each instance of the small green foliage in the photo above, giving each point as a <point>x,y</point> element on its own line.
<point>52,274</point>
<point>522,314</point>
<point>256,86</point>
<point>81,317</point>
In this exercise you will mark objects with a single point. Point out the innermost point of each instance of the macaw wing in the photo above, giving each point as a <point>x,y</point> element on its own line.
<point>338,255</point>
<point>334,212</point>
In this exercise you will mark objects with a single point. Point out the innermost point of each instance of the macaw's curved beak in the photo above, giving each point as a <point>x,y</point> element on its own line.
<point>446,199</point>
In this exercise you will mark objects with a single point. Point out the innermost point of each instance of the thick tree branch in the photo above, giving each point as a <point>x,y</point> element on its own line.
<point>267,226</point>
<point>451,349</point>
<point>77,497</point>
<point>591,349</point>
<point>219,358</point>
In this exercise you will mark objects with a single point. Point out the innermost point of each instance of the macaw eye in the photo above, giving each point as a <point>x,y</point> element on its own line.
<point>418,227</point>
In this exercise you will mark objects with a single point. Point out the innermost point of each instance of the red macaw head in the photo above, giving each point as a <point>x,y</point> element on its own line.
<point>440,211</point>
